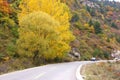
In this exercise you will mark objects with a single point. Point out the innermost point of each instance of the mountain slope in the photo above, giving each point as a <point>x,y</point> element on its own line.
<point>96,27</point>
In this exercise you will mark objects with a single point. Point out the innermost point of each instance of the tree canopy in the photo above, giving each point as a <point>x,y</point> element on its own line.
<point>52,35</point>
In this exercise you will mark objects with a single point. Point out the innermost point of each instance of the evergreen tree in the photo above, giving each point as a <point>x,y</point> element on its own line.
<point>97,27</point>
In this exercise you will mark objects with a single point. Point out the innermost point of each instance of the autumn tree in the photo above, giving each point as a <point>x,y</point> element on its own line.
<point>5,10</point>
<point>4,6</point>
<point>40,38</point>
<point>59,12</point>
<point>37,38</point>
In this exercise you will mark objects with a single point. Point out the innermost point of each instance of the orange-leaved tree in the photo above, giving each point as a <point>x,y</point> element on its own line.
<point>4,6</point>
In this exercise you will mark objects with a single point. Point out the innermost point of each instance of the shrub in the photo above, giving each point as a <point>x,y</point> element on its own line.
<point>97,53</point>
<point>113,25</point>
<point>97,27</point>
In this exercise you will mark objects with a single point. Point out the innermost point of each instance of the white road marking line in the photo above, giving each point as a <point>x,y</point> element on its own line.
<point>40,75</point>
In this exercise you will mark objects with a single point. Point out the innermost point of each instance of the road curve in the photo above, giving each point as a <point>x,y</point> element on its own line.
<point>61,71</point>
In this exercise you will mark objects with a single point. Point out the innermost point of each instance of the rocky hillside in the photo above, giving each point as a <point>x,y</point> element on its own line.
<point>96,25</point>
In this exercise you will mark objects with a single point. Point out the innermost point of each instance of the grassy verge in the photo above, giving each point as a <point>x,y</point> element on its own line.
<point>14,64</point>
<point>102,71</point>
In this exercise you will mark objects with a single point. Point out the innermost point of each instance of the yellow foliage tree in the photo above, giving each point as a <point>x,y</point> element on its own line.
<point>59,12</point>
<point>39,37</point>
<point>89,28</point>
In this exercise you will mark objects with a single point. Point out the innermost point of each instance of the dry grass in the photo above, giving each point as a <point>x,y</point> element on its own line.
<point>15,64</point>
<point>102,71</point>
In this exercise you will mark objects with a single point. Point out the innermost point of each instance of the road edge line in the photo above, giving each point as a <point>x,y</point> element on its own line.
<point>78,75</point>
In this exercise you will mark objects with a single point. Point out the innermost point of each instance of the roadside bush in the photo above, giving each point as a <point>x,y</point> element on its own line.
<point>11,49</point>
<point>85,50</point>
<point>106,54</point>
<point>97,53</point>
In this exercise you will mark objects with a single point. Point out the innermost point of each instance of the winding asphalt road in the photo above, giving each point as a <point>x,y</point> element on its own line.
<point>61,71</point>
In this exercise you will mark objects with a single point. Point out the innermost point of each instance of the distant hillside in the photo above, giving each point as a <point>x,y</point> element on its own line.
<point>96,25</point>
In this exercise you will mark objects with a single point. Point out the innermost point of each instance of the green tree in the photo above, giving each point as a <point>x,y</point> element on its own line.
<point>97,52</point>
<point>97,27</point>
<point>114,25</point>
<point>90,23</point>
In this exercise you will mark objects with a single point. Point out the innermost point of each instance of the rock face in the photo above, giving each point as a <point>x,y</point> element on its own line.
<point>116,54</point>
<point>74,54</point>
<point>89,3</point>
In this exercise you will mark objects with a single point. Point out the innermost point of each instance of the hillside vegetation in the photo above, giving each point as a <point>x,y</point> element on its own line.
<point>99,71</point>
<point>35,32</point>
<point>96,27</point>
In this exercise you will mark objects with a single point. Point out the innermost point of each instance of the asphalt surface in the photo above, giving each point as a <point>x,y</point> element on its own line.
<point>61,71</point>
